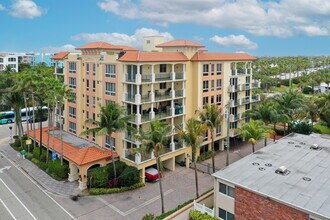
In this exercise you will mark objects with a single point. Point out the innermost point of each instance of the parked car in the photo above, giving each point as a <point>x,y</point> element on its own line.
<point>151,174</point>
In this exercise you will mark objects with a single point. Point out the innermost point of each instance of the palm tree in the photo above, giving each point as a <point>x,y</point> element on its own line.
<point>193,136</point>
<point>113,118</point>
<point>154,140</point>
<point>212,117</point>
<point>253,131</point>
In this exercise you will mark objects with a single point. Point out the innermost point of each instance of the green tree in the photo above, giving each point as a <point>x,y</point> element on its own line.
<point>154,140</point>
<point>113,118</point>
<point>253,131</point>
<point>211,116</point>
<point>193,136</point>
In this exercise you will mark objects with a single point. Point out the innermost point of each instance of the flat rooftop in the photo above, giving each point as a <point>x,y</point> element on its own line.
<point>306,186</point>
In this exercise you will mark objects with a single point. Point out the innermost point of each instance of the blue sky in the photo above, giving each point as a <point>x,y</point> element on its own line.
<point>261,28</point>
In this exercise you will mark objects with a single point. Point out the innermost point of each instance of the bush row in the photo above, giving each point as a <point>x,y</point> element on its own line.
<point>101,191</point>
<point>197,215</point>
<point>204,156</point>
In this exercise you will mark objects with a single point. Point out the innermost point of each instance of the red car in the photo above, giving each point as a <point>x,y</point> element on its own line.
<point>151,174</point>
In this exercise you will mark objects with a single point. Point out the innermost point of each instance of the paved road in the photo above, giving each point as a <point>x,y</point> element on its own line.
<point>21,198</point>
<point>5,131</point>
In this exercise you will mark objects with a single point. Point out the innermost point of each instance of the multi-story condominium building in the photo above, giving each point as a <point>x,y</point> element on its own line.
<point>9,59</point>
<point>288,179</point>
<point>169,82</point>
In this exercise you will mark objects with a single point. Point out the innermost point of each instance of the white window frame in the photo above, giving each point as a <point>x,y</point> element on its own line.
<point>218,102</point>
<point>219,71</point>
<point>205,86</point>
<point>110,142</point>
<point>206,69</point>
<point>72,112</point>
<point>110,70</point>
<point>72,67</point>
<point>112,89</point>
<point>219,86</point>
<point>72,127</point>
<point>72,82</point>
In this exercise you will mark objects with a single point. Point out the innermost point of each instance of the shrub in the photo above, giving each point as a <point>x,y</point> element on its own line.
<point>307,90</point>
<point>205,156</point>
<point>120,167</point>
<point>148,217</point>
<point>55,167</point>
<point>296,80</point>
<point>100,176</point>
<point>36,152</point>
<point>101,191</point>
<point>35,161</point>
<point>130,176</point>
<point>302,128</point>
<point>285,82</point>
<point>197,215</point>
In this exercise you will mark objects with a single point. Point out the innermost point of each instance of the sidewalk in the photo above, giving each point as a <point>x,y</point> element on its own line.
<point>62,188</point>
<point>236,153</point>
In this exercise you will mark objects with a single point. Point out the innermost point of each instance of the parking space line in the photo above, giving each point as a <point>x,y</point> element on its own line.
<point>18,199</point>
<point>135,208</point>
<point>12,215</point>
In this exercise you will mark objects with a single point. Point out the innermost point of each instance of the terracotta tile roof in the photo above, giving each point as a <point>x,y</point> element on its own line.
<point>60,55</point>
<point>208,56</point>
<point>77,155</point>
<point>127,48</point>
<point>99,45</point>
<point>180,43</point>
<point>142,56</point>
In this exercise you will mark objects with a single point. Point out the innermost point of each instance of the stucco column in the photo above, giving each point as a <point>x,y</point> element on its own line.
<point>83,178</point>
<point>73,172</point>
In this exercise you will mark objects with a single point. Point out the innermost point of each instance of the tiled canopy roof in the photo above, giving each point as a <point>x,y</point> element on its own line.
<point>79,156</point>
<point>180,43</point>
<point>60,55</point>
<point>142,56</point>
<point>208,56</point>
<point>99,45</point>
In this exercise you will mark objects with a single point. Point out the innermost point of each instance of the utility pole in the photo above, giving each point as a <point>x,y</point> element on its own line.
<point>228,128</point>
<point>290,80</point>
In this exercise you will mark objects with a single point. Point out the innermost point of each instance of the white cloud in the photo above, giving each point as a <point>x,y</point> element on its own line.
<point>280,18</point>
<point>26,9</point>
<point>2,7</point>
<point>55,49</point>
<point>236,41</point>
<point>135,40</point>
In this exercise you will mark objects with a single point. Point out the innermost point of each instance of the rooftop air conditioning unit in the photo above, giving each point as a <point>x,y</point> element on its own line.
<point>315,146</point>
<point>282,169</point>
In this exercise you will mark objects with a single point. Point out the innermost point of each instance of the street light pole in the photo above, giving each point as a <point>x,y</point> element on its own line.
<point>228,127</point>
<point>11,134</point>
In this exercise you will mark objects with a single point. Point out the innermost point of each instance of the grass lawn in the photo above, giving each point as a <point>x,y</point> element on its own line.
<point>283,88</point>
<point>324,129</point>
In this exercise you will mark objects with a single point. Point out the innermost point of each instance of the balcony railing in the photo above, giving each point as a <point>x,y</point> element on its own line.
<point>255,85</point>
<point>129,136</point>
<point>145,117</point>
<point>246,86</point>
<point>146,98</point>
<point>161,96</point>
<point>245,100</point>
<point>240,71</point>
<point>178,76</point>
<point>163,114</point>
<point>146,78</point>
<point>235,102</point>
<point>129,97</point>
<point>162,76</point>
<point>248,71</point>
<point>178,145</point>
<point>165,150</point>
<point>234,88</point>
<point>178,93</point>
<point>255,98</point>
<point>59,71</point>
<point>129,78</point>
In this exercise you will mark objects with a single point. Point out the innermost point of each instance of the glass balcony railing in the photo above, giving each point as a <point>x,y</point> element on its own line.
<point>163,114</point>
<point>129,78</point>
<point>178,93</point>
<point>130,98</point>
<point>178,145</point>
<point>178,75</point>
<point>165,150</point>
<point>161,96</point>
<point>162,76</point>
<point>145,117</point>
<point>145,98</point>
<point>146,78</point>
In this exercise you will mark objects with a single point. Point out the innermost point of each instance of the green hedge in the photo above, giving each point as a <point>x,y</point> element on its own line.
<point>101,191</point>
<point>129,177</point>
<point>100,176</point>
<point>55,168</point>
<point>120,167</point>
<point>205,156</point>
<point>197,215</point>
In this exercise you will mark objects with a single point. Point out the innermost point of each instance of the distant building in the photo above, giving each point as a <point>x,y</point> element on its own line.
<point>9,59</point>
<point>289,179</point>
<point>46,58</point>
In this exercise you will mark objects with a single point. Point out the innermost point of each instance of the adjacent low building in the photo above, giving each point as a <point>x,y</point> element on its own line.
<point>288,179</point>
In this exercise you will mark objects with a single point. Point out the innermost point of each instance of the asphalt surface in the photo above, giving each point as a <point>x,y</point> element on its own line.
<point>21,198</point>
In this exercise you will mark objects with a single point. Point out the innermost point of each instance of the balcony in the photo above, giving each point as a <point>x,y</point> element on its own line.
<point>146,78</point>
<point>234,103</point>
<point>246,86</point>
<point>129,78</point>
<point>129,98</point>
<point>233,132</point>
<point>234,88</point>
<point>162,95</point>
<point>146,98</point>
<point>234,118</point>
<point>178,93</point>
<point>255,98</point>
<point>163,76</point>
<point>178,145</point>
<point>245,100</point>
<point>163,114</point>
<point>59,71</point>
<point>165,150</point>
<point>241,71</point>
<point>248,71</point>
<point>178,76</point>
<point>136,157</point>
<point>255,85</point>
<point>129,136</point>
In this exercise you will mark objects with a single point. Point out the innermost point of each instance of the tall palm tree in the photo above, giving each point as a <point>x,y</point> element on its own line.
<point>212,116</point>
<point>193,136</point>
<point>154,140</point>
<point>113,118</point>
<point>253,131</point>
